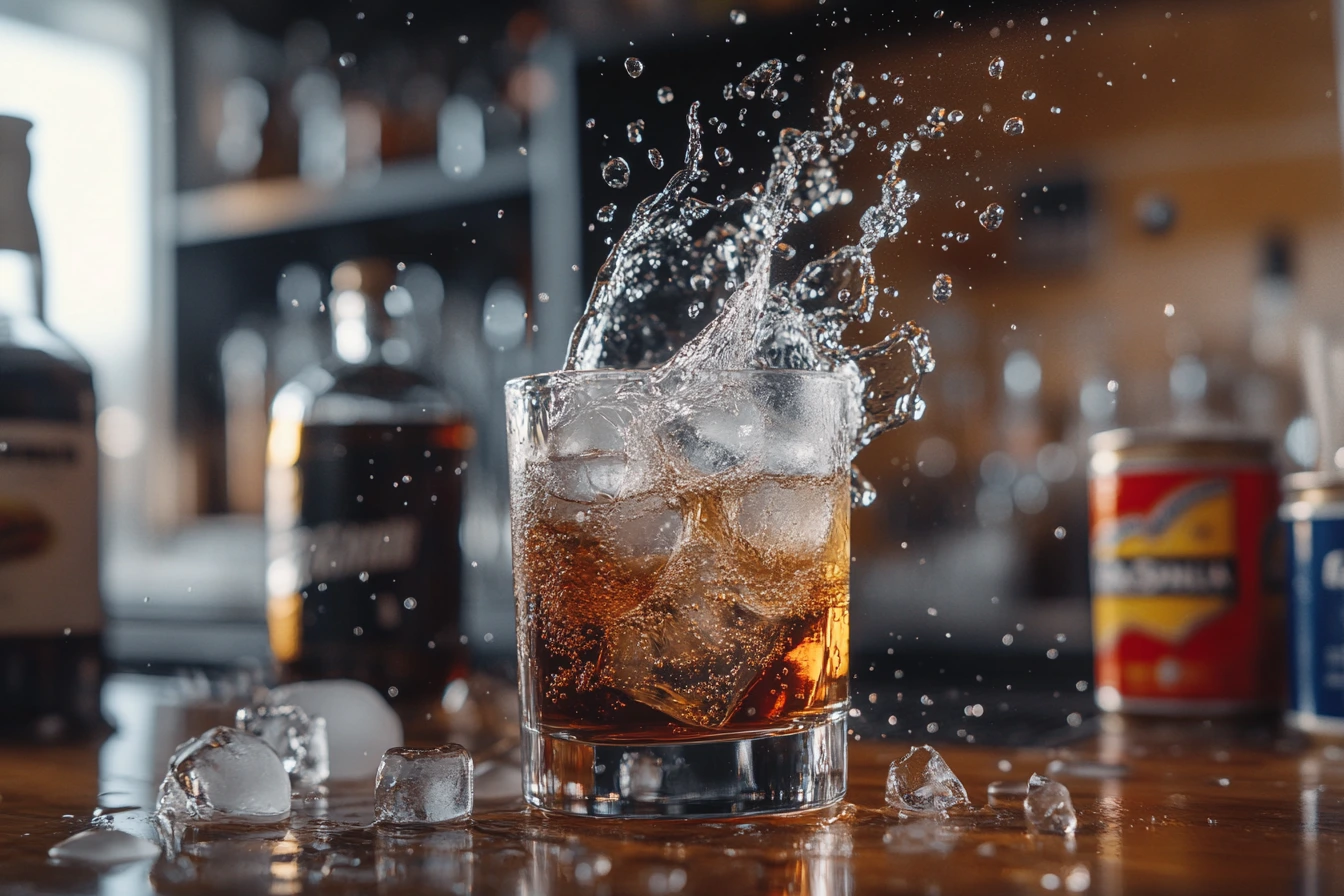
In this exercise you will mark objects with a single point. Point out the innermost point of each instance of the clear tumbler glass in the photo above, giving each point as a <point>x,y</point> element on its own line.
<point>681,572</point>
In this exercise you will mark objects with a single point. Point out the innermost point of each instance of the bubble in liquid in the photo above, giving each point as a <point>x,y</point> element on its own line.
<point>1014,127</point>
<point>942,288</point>
<point>992,217</point>
<point>665,95</point>
<point>606,213</point>
<point>737,16</point>
<point>1028,95</point>
<point>633,67</point>
<point>996,67</point>
<point>723,156</point>
<point>634,131</point>
<point>616,173</point>
<point>656,159</point>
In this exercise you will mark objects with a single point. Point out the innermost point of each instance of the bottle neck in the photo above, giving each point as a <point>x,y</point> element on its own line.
<point>20,283</point>
<point>363,333</point>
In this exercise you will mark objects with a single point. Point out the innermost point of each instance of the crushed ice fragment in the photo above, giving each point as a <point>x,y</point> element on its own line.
<point>424,786</point>
<point>221,774</point>
<point>1003,794</point>
<point>922,782</point>
<point>360,724</point>
<point>297,738</point>
<point>1048,807</point>
<point>103,847</point>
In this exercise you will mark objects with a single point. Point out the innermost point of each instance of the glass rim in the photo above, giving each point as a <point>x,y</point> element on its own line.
<point>635,374</point>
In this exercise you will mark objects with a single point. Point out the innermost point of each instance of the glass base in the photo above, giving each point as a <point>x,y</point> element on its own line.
<point>784,772</point>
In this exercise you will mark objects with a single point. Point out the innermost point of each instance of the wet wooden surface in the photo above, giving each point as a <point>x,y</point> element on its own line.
<point>1199,809</point>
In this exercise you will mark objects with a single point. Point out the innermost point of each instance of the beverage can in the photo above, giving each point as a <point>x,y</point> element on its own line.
<point>1313,523</point>
<point>1186,598</point>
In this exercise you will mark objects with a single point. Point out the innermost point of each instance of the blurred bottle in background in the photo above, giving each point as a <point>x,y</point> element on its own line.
<point>365,464</point>
<point>50,607</point>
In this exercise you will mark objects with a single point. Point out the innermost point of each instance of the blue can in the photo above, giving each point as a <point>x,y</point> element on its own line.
<point>1313,516</point>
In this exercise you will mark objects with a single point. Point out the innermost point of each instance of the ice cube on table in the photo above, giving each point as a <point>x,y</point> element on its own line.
<point>221,774</point>
<point>694,647</point>
<point>424,786</point>
<point>1003,794</point>
<point>922,782</point>
<point>103,847</point>
<point>789,515</point>
<point>1048,807</point>
<point>299,739</point>
<point>360,724</point>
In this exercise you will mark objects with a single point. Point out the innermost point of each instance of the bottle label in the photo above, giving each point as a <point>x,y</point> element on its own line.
<point>48,529</point>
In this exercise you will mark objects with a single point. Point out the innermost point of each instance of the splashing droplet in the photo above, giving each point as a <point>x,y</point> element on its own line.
<point>723,156</point>
<point>633,67</point>
<point>996,67</point>
<point>955,116</point>
<point>738,17</point>
<point>606,213</point>
<point>665,95</point>
<point>1014,127</point>
<point>938,14</point>
<point>590,123</point>
<point>616,173</point>
<point>963,237</point>
<point>942,288</point>
<point>634,131</point>
<point>1060,533</point>
<point>1028,95</point>
<point>1055,110</point>
<point>656,159</point>
<point>346,60</point>
<point>992,217</point>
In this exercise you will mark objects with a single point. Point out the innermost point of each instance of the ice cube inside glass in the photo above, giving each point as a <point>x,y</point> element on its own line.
<point>681,572</point>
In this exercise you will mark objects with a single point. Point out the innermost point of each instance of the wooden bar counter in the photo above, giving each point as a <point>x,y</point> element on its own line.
<point>1163,808</point>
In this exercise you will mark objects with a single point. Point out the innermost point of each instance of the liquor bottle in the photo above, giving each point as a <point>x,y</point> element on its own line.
<point>365,462</point>
<point>50,605</point>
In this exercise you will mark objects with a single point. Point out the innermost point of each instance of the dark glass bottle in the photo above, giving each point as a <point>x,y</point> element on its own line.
<point>50,606</point>
<point>365,463</point>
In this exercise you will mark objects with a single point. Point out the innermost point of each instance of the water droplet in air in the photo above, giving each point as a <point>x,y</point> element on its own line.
<point>656,159</point>
<point>634,131</point>
<point>346,60</point>
<point>942,288</point>
<point>543,298</point>
<point>723,156</point>
<point>606,213</point>
<point>1028,95</point>
<point>1169,310</point>
<point>633,67</point>
<point>955,116</point>
<point>590,123</point>
<point>616,173</point>
<point>992,217</point>
<point>1014,126</point>
<point>963,237</point>
<point>1055,110</point>
<point>938,14</point>
<point>996,67</point>
<point>738,17</point>
<point>665,95</point>
<point>462,38</point>
<point>1060,532</point>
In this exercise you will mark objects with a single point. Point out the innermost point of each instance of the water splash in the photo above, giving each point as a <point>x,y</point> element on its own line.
<point>681,255</point>
<point>656,159</point>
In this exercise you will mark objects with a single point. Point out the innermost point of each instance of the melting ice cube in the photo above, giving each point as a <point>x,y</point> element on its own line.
<point>424,786</point>
<point>103,847</point>
<point>360,724</point>
<point>299,740</point>
<point>224,773</point>
<point>693,648</point>
<point>1048,807</point>
<point>792,515</point>
<point>922,782</point>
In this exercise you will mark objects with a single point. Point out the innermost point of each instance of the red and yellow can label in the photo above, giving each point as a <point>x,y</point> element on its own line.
<point>1180,601</point>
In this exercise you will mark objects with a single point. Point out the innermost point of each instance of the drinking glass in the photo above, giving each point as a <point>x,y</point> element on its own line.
<point>681,571</point>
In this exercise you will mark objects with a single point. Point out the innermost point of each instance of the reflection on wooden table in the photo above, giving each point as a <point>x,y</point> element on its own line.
<point>1188,807</point>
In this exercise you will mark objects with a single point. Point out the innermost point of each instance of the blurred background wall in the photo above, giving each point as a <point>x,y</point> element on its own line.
<point>1174,217</point>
